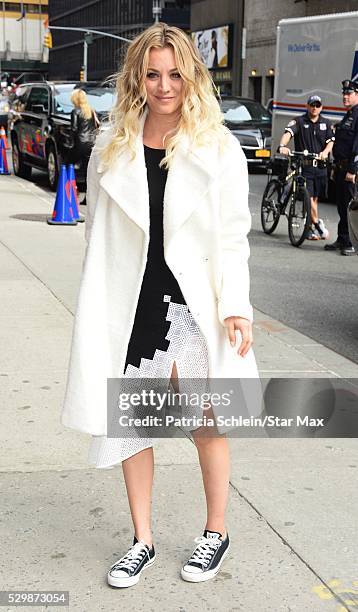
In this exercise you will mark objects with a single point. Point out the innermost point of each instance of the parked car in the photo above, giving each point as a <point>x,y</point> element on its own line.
<point>4,111</point>
<point>41,134</point>
<point>251,123</point>
<point>29,77</point>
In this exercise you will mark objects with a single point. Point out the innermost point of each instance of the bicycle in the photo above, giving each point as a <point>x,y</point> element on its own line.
<point>288,187</point>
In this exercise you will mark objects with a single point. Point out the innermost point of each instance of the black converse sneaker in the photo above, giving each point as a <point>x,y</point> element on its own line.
<point>207,557</point>
<point>126,571</point>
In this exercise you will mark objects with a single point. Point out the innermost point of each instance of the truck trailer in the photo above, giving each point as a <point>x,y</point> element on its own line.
<point>313,56</point>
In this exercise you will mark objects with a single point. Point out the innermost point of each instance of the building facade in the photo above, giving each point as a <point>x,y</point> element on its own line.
<point>213,23</point>
<point>125,18</point>
<point>253,26</point>
<point>22,36</point>
<point>260,21</point>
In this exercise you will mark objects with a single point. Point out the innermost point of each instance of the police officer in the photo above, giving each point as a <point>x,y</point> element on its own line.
<point>313,133</point>
<point>345,152</point>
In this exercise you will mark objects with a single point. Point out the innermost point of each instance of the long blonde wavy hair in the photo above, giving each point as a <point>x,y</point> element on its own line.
<point>200,119</point>
<point>79,100</point>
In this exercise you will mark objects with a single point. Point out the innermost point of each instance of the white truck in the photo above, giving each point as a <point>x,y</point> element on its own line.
<point>313,56</point>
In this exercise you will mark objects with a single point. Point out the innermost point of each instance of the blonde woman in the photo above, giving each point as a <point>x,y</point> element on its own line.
<point>165,285</point>
<point>84,123</point>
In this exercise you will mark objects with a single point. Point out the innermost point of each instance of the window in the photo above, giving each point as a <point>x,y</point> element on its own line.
<point>32,8</point>
<point>236,111</point>
<point>13,6</point>
<point>101,99</point>
<point>38,95</point>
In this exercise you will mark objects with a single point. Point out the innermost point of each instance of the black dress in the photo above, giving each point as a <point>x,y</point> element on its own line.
<point>150,325</point>
<point>164,330</point>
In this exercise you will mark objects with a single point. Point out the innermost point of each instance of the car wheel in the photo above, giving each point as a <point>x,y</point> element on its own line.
<point>20,169</point>
<point>52,168</point>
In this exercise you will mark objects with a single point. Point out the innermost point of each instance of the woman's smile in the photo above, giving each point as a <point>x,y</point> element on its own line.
<point>163,83</point>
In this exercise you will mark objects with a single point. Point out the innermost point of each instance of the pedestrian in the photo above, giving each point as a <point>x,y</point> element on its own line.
<point>345,153</point>
<point>312,132</point>
<point>165,285</point>
<point>84,125</point>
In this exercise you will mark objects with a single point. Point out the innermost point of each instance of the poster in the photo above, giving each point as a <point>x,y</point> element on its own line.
<point>213,46</point>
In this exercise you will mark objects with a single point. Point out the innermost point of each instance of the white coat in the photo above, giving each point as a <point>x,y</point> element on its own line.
<point>206,221</point>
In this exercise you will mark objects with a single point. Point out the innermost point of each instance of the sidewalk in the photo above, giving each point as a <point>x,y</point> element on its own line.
<point>292,502</point>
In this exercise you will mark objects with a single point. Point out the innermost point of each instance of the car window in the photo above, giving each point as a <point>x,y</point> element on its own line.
<point>38,95</point>
<point>242,111</point>
<point>101,99</point>
<point>239,113</point>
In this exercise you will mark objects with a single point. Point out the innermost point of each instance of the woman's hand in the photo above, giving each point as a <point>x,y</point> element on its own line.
<point>245,328</point>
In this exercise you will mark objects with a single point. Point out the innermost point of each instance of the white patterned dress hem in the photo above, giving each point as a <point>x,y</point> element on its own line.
<point>187,349</point>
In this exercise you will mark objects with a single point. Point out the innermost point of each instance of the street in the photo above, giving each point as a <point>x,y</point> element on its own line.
<point>292,524</point>
<point>311,290</point>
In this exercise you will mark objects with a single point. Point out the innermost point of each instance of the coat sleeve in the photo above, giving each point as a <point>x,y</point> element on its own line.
<point>92,192</point>
<point>235,225</point>
<point>74,120</point>
<point>353,162</point>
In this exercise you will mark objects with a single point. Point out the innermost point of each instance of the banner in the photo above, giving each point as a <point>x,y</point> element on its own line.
<point>213,45</point>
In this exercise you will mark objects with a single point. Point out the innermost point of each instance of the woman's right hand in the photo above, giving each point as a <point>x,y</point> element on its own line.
<point>244,326</point>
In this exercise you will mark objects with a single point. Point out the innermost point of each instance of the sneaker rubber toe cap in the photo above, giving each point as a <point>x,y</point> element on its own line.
<point>192,569</point>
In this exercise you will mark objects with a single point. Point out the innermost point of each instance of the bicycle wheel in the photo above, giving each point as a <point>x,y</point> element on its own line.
<point>270,206</point>
<point>299,216</point>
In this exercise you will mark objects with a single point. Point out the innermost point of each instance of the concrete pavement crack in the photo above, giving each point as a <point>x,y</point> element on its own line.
<point>24,264</point>
<point>283,341</point>
<point>295,552</point>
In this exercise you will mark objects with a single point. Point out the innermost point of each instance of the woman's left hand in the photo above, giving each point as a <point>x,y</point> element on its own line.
<point>245,328</point>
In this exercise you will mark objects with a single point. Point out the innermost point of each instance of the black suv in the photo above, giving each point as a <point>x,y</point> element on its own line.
<point>251,123</point>
<point>41,134</point>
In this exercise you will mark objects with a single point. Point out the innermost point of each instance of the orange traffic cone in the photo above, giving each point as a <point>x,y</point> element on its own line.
<point>3,137</point>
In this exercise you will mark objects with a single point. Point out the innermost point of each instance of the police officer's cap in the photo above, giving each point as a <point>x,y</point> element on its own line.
<point>313,99</point>
<point>349,86</point>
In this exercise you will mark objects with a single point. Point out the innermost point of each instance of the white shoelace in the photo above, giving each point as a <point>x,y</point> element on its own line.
<point>205,550</point>
<point>133,557</point>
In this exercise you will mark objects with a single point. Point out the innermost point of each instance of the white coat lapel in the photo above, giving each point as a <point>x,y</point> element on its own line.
<point>189,179</point>
<point>126,183</point>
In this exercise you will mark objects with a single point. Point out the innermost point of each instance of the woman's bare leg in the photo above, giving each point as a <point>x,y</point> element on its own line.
<point>214,458</point>
<point>138,472</point>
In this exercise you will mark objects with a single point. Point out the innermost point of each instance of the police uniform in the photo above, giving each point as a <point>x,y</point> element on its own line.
<point>345,152</point>
<point>313,137</point>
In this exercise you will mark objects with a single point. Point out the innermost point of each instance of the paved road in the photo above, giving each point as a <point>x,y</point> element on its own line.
<point>313,291</point>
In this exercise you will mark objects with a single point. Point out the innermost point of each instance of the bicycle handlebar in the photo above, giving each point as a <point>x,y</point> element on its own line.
<point>305,154</point>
